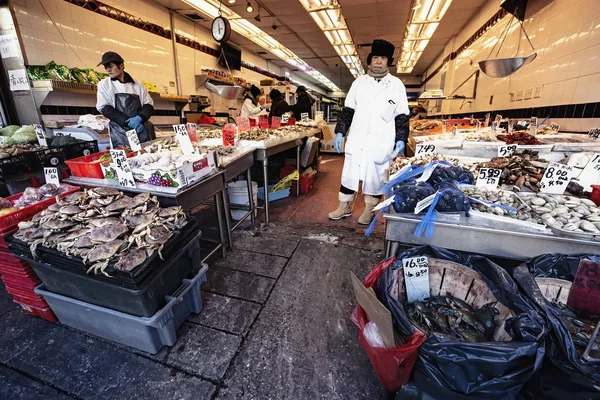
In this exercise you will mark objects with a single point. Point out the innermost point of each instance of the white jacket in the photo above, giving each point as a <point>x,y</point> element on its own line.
<point>107,89</point>
<point>249,109</point>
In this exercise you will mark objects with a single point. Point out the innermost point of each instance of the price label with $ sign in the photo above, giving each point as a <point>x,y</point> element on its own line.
<point>124,173</point>
<point>489,178</point>
<point>507,151</point>
<point>425,149</point>
<point>416,278</point>
<point>556,178</point>
<point>52,175</point>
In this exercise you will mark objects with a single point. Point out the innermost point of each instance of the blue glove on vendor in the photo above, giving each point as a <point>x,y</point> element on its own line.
<point>337,144</point>
<point>134,122</point>
<point>140,128</point>
<point>400,147</point>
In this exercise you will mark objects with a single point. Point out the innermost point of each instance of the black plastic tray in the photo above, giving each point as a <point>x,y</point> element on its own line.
<point>144,301</point>
<point>133,279</point>
<point>80,149</point>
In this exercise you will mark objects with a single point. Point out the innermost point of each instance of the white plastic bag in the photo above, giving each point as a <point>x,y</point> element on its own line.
<point>373,336</point>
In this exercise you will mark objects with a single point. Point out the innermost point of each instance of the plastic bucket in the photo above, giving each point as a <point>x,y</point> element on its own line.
<point>238,195</point>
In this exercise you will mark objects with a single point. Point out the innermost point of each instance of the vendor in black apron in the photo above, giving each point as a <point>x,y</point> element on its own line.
<point>124,101</point>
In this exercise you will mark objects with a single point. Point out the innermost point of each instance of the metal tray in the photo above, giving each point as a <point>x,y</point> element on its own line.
<point>594,237</point>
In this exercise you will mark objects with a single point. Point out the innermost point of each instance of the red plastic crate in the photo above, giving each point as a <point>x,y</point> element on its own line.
<point>20,283</point>
<point>30,301</point>
<point>9,222</point>
<point>86,167</point>
<point>45,313</point>
<point>306,185</point>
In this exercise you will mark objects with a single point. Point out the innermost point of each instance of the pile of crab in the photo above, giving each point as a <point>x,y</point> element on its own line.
<point>102,225</point>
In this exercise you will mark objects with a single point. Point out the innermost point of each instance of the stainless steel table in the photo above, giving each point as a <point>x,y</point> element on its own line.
<point>482,240</point>
<point>189,198</point>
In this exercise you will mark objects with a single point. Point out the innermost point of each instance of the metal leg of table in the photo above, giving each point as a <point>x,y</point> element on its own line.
<point>298,169</point>
<point>388,249</point>
<point>266,187</point>
<point>251,196</point>
<point>220,222</point>
<point>227,220</point>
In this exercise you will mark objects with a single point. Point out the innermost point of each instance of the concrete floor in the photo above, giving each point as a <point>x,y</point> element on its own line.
<point>275,323</point>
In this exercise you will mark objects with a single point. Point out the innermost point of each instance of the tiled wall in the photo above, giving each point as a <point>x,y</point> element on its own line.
<point>566,36</point>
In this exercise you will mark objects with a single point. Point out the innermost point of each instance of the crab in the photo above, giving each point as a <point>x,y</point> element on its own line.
<point>101,255</point>
<point>131,259</point>
<point>138,200</point>
<point>56,225</point>
<point>26,224</point>
<point>85,215</point>
<point>103,192</point>
<point>118,204</point>
<point>140,222</point>
<point>73,198</point>
<point>156,237</point>
<point>97,222</point>
<point>108,233</point>
<point>172,217</point>
<point>70,210</point>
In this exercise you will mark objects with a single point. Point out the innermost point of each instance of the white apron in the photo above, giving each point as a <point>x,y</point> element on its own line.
<point>370,140</point>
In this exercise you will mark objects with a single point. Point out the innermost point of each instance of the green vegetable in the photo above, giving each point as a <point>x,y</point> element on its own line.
<point>57,141</point>
<point>79,75</point>
<point>9,130</point>
<point>23,135</point>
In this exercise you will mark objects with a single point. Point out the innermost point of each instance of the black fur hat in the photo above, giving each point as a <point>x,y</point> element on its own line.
<point>381,47</point>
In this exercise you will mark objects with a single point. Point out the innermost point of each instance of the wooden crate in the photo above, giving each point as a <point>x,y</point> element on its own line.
<point>447,278</point>
<point>554,289</point>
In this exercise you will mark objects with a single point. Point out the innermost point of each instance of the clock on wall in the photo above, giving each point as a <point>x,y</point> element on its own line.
<point>221,29</point>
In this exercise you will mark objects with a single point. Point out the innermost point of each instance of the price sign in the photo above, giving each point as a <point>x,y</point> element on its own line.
<point>487,120</point>
<point>507,150</point>
<point>134,140</point>
<point>243,123</point>
<point>263,121</point>
<point>444,126</point>
<point>477,126</point>
<point>18,79</point>
<point>489,178</point>
<point>275,122</point>
<point>39,133</point>
<point>416,278</point>
<point>8,46</point>
<point>228,134</point>
<point>594,133</point>
<point>533,126</point>
<point>319,116</point>
<point>425,149</point>
<point>556,178</point>
<point>498,118</point>
<point>555,127</point>
<point>471,120</point>
<point>51,175</point>
<point>1,139</point>
<point>454,130</point>
<point>304,117</point>
<point>124,174</point>
<point>191,130</point>
<point>285,118</point>
<point>591,173</point>
<point>184,139</point>
<point>494,127</point>
<point>511,126</point>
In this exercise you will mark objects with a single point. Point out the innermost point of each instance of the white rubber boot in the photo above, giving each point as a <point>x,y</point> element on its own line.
<point>345,208</point>
<point>367,215</point>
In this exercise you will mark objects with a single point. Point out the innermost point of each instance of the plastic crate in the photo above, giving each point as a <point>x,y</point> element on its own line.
<point>87,167</point>
<point>10,221</point>
<point>49,157</point>
<point>25,281</point>
<point>80,149</point>
<point>145,334</point>
<point>306,184</point>
<point>144,301</point>
<point>278,195</point>
<point>16,165</point>
<point>42,312</point>
<point>29,299</point>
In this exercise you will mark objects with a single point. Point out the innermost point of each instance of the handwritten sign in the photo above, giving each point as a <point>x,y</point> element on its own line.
<point>533,126</point>
<point>229,131</point>
<point>511,127</point>
<point>243,123</point>
<point>498,118</point>
<point>594,133</point>
<point>555,127</point>
<point>318,116</point>
<point>124,174</point>
<point>488,178</point>
<point>18,80</point>
<point>487,120</point>
<point>556,178</point>
<point>425,149</point>
<point>9,46</point>
<point>184,140</point>
<point>51,175</point>
<point>275,122</point>
<point>191,130</point>
<point>39,133</point>
<point>134,140</point>
<point>263,121</point>
<point>444,126</point>
<point>304,117</point>
<point>416,278</point>
<point>591,173</point>
<point>285,118</point>
<point>454,130</point>
<point>507,150</point>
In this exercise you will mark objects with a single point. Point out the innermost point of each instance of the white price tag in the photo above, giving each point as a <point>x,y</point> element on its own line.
<point>489,178</point>
<point>454,130</point>
<point>444,126</point>
<point>124,173</point>
<point>9,46</point>
<point>319,116</point>
<point>507,150</point>
<point>39,133</point>
<point>134,140</point>
<point>285,118</point>
<point>1,139</point>
<point>556,178</point>
<point>385,203</point>
<point>52,175</point>
<point>425,149</point>
<point>416,278</point>
<point>304,117</point>
<point>594,133</point>
<point>591,173</point>
<point>18,79</point>
<point>555,127</point>
<point>184,140</point>
<point>533,126</point>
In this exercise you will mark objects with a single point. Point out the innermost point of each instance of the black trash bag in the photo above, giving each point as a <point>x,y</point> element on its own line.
<point>409,194</point>
<point>563,374</point>
<point>447,369</point>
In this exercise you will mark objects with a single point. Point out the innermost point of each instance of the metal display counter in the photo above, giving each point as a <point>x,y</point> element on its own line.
<point>189,198</point>
<point>483,240</point>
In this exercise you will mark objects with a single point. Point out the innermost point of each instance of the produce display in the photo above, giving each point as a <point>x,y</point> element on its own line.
<point>62,73</point>
<point>103,226</point>
<point>34,195</point>
<point>14,134</point>
<point>522,138</point>
<point>7,151</point>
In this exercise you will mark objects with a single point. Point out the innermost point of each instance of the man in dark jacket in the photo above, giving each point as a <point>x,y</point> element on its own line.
<point>279,106</point>
<point>303,103</point>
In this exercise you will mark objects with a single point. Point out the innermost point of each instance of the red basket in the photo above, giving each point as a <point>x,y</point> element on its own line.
<point>42,312</point>
<point>86,167</point>
<point>30,300</point>
<point>306,184</point>
<point>10,221</point>
<point>21,283</point>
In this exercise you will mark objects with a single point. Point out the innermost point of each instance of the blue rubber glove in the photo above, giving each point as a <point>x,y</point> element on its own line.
<point>337,144</point>
<point>400,147</point>
<point>140,128</point>
<point>134,122</point>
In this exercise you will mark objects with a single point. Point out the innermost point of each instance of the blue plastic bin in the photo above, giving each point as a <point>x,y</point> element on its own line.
<point>278,195</point>
<point>148,334</point>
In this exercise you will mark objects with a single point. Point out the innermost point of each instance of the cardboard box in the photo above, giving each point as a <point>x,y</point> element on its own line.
<point>327,146</point>
<point>184,176</point>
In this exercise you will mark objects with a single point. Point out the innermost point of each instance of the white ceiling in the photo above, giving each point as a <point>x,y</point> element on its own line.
<point>366,19</point>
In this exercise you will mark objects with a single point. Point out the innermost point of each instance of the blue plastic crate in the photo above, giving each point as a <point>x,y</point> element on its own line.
<point>278,195</point>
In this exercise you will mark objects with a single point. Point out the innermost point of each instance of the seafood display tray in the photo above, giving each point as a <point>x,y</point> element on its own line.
<point>595,237</point>
<point>143,302</point>
<point>145,334</point>
<point>133,279</point>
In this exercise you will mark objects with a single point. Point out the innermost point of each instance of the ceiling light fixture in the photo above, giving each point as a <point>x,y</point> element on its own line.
<point>257,18</point>
<point>213,8</point>
<point>231,1</point>
<point>425,19</point>
<point>249,7</point>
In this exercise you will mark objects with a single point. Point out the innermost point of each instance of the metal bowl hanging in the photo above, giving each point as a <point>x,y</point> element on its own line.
<point>503,67</point>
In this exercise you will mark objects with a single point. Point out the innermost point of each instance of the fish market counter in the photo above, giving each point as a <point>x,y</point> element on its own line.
<point>491,240</point>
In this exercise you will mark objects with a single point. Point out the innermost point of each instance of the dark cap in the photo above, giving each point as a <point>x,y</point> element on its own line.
<point>275,94</point>
<point>111,56</point>
<point>301,89</point>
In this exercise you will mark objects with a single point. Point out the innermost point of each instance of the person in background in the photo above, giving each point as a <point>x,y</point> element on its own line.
<point>252,106</point>
<point>124,101</point>
<point>303,104</point>
<point>278,104</point>
<point>376,113</point>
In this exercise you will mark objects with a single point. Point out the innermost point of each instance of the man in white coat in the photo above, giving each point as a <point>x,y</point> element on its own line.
<point>376,115</point>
